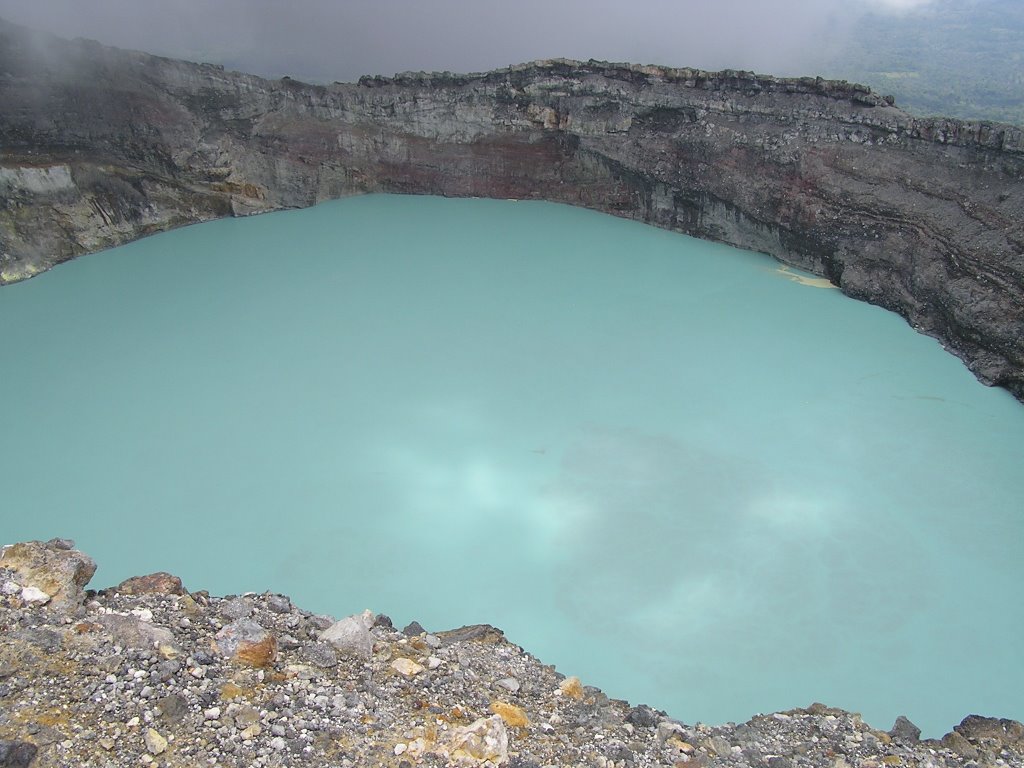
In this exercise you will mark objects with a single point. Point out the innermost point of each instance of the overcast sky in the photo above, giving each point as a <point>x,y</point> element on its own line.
<point>327,40</point>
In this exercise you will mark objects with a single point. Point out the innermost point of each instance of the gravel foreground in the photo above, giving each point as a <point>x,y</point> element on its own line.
<point>148,674</point>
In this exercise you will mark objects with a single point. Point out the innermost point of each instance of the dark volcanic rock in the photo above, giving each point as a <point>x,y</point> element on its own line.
<point>923,216</point>
<point>905,731</point>
<point>17,754</point>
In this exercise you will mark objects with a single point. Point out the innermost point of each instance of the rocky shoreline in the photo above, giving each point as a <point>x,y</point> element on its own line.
<point>149,673</point>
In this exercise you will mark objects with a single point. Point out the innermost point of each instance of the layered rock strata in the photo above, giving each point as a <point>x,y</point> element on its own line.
<point>922,216</point>
<point>148,673</point>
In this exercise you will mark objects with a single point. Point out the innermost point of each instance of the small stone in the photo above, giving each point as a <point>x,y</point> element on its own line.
<point>247,643</point>
<point>572,687</point>
<point>667,729</point>
<point>160,583</point>
<point>351,636</point>
<point>279,603</point>
<point>213,713</point>
<point>905,731</point>
<point>320,655</point>
<point>236,608</point>
<point>720,745</point>
<point>433,662</point>
<point>173,708</point>
<point>407,667</point>
<point>643,716</point>
<point>143,614</point>
<point>277,743</point>
<point>106,742</point>
<point>400,748</point>
<point>155,743</point>
<point>617,751</point>
<point>10,587</point>
<point>34,596</point>
<point>131,632</point>
<point>511,714</point>
<point>483,740</point>
<point>509,684</point>
<point>412,629</point>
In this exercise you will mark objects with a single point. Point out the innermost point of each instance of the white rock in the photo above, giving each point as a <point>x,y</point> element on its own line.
<point>433,662</point>
<point>34,596</point>
<point>351,635</point>
<point>509,684</point>
<point>407,667</point>
<point>213,713</point>
<point>483,740</point>
<point>400,748</point>
<point>10,588</point>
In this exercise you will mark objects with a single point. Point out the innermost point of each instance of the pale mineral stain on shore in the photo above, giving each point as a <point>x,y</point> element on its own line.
<point>803,279</point>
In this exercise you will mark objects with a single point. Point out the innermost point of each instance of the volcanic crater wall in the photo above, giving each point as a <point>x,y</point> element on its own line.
<point>925,217</point>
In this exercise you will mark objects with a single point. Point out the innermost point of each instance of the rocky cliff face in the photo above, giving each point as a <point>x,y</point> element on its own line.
<point>921,216</point>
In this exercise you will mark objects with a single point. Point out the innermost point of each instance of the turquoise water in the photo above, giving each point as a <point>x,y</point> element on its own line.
<point>659,463</point>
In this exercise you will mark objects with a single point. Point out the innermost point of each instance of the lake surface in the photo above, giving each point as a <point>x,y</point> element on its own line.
<point>666,466</point>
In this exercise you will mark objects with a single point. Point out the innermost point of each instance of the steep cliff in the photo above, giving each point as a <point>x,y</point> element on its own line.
<point>922,216</point>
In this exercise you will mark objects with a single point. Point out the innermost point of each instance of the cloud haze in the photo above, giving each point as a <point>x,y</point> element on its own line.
<point>328,40</point>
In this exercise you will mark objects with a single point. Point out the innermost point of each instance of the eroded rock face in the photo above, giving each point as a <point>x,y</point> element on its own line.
<point>922,216</point>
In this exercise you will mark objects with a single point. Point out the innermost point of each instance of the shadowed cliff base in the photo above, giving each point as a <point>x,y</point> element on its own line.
<point>921,216</point>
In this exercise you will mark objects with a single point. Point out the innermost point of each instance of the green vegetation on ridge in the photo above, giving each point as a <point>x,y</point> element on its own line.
<point>958,58</point>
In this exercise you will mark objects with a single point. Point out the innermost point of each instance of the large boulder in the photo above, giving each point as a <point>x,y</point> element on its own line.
<point>54,568</point>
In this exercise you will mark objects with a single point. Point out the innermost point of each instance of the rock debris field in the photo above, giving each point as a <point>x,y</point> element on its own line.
<point>148,674</point>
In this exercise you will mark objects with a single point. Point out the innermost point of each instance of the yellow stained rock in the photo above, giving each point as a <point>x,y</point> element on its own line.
<point>407,667</point>
<point>481,741</point>
<point>155,743</point>
<point>572,687</point>
<point>679,745</point>
<point>512,715</point>
<point>230,691</point>
<point>259,654</point>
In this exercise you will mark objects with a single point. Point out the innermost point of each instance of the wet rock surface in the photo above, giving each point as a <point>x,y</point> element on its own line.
<point>78,688</point>
<point>923,216</point>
